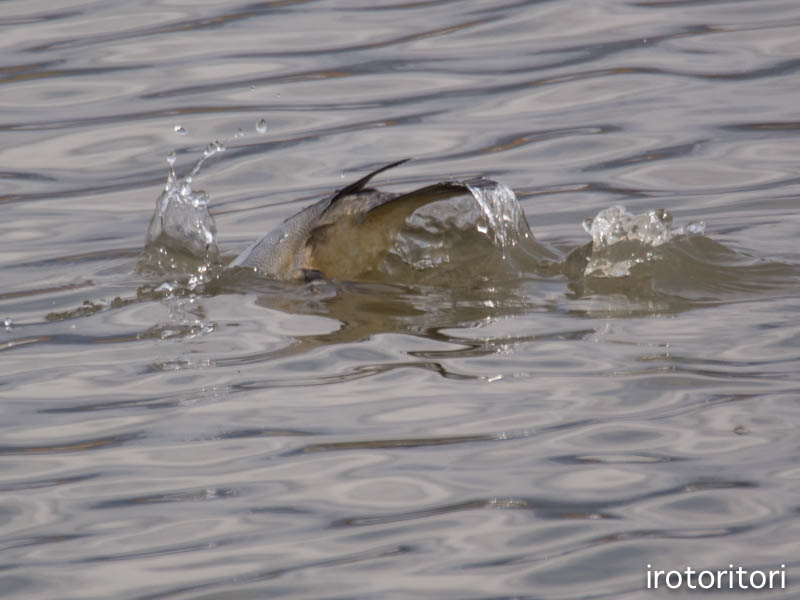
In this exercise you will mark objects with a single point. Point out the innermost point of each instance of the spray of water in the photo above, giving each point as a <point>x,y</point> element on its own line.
<point>621,240</point>
<point>503,220</point>
<point>182,236</point>
<point>181,222</point>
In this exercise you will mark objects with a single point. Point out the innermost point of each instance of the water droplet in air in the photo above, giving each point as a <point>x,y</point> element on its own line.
<point>180,130</point>
<point>261,126</point>
<point>171,158</point>
<point>7,324</point>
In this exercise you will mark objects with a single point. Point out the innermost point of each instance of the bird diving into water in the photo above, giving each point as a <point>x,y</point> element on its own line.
<point>360,233</point>
<point>343,236</point>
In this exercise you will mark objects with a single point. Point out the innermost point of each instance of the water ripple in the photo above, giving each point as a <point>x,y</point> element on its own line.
<point>536,435</point>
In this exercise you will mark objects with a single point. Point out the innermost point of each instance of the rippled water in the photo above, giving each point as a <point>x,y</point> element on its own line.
<point>477,433</point>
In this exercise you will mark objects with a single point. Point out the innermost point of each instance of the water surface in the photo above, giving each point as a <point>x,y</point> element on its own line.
<point>535,436</point>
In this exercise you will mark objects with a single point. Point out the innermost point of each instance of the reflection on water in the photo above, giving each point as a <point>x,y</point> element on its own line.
<point>476,419</point>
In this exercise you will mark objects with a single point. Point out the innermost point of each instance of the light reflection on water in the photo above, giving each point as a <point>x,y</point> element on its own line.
<point>544,438</point>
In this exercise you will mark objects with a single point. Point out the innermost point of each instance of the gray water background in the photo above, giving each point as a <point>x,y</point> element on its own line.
<point>246,445</point>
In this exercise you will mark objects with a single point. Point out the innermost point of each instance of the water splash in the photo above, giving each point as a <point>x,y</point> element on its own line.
<point>503,220</point>
<point>621,240</point>
<point>179,129</point>
<point>261,126</point>
<point>479,235</point>
<point>181,226</point>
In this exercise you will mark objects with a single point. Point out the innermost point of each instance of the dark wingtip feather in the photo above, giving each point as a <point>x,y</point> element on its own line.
<point>359,185</point>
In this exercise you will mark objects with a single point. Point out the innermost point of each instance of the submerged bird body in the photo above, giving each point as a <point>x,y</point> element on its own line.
<point>342,236</point>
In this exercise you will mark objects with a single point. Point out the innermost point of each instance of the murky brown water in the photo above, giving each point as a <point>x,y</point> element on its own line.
<point>528,435</point>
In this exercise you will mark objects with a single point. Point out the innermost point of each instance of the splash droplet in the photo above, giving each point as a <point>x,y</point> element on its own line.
<point>261,126</point>
<point>171,158</point>
<point>239,133</point>
<point>179,129</point>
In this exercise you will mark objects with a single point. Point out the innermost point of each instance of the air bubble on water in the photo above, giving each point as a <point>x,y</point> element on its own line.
<point>171,159</point>
<point>261,126</point>
<point>179,129</point>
